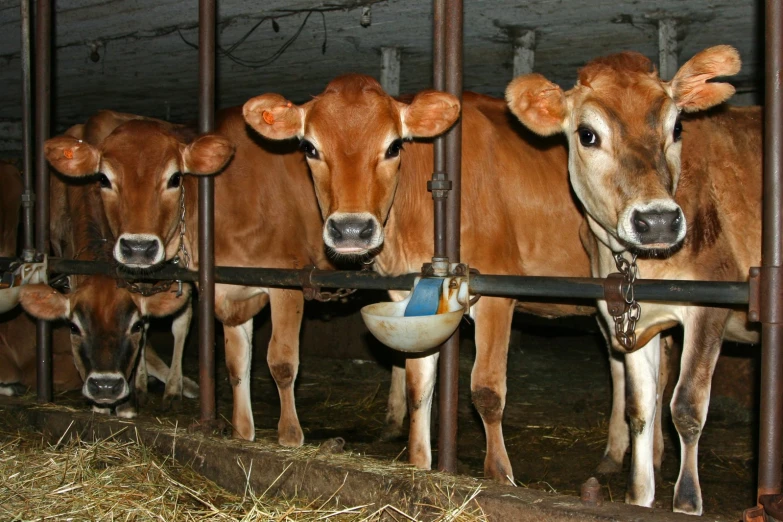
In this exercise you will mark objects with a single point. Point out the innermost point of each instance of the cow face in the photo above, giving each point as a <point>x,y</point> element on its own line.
<point>140,168</point>
<point>353,137</point>
<point>623,130</point>
<point>108,328</point>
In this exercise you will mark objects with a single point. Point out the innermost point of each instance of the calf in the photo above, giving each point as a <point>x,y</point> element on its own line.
<point>370,181</point>
<point>683,193</point>
<point>266,215</point>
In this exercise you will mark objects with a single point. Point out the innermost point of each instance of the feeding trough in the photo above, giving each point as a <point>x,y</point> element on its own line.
<point>13,280</point>
<point>424,319</point>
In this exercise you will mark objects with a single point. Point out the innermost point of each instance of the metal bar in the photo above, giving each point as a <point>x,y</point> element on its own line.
<point>439,144</point>
<point>449,352</point>
<point>206,216</point>
<point>43,59</point>
<point>28,204</point>
<point>771,407</point>
<point>528,287</point>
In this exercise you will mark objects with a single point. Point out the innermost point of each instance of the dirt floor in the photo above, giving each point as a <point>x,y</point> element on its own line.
<point>555,419</point>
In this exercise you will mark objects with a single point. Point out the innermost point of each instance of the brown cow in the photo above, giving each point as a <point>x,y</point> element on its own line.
<point>371,187</point>
<point>108,326</point>
<point>265,216</point>
<point>642,173</point>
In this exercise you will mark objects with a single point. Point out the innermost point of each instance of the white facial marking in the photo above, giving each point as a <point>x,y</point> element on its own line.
<point>133,260</point>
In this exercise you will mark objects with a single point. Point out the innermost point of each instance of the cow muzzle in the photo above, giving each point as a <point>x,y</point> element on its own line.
<point>652,226</point>
<point>352,234</point>
<point>139,250</point>
<point>105,387</point>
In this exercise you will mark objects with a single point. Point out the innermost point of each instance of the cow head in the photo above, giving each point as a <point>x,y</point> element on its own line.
<point>108,328</point>
<point>352,136</point>
<point>623,128</point>
<point>140,168</point>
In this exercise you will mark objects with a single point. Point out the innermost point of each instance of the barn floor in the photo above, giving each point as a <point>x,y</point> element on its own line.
<point>555,418</point>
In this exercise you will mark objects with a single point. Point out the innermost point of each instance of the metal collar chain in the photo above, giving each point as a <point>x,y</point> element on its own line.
<point>182,250</point>
<point>312,292</point>
<point>625,320</point>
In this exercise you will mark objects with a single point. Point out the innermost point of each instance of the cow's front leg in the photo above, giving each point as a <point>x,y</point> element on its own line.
<point>488,381</point>
<point>140,380</point>
<point>691,399</point>
<point>642,368</point>
<point>420,373</point>
<point>618,440</point>
<point>239,351</point>
<point>172,395</point>
<point>283,360</point>
<point>397,405</point>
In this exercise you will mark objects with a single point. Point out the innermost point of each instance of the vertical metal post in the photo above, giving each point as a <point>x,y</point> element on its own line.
<point>28,202</point>
<point>43,59</point>
<point>449,352</point>
<point>439,148</point>
<point>206,216</point>
<point>771,415</point>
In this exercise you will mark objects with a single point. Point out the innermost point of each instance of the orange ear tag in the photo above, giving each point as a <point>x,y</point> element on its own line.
<point>269,118</point>
<point>68,153</point>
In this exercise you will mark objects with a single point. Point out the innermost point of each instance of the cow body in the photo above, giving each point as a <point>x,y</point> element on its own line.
<point>265,216</point>
<point>372,192</point>
<point>644,174</point>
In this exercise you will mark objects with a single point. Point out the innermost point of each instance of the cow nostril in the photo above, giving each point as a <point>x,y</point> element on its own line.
<point>677,222</point>
<point>334,232</point>
<point>93,387</point>
<point>639,224</point>
<point>125,248</point>
<point>368,230</point>
<point>116,386</point>
<point>152,249</point>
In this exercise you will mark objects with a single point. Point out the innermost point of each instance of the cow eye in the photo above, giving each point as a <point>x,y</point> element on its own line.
<point>75,329</point>
<point>678,130</point>
<point>309,149</point>
<point>137,327</point>
<point>175,180</point>
<point>588,137</point>
<point>394,149</point>
<point>103,181</point>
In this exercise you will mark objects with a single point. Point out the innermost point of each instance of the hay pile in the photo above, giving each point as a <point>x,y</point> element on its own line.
<point>117,480</point>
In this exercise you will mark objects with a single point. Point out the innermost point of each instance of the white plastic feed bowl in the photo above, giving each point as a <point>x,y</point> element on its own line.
<point>387,323</point>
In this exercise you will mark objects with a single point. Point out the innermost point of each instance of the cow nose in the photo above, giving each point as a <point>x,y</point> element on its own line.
<point>139,249</point>
<point>105,388</point>
<point>350,229</point>
<point>656,226</point>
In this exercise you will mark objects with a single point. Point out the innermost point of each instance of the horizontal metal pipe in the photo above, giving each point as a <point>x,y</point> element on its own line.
<point>710,292</point>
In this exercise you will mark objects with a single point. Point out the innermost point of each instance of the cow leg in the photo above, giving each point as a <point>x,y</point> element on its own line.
<point>667,344</point>
<point>140,380</point>
<point>642,368</point>
<point>160,370</point>
<point>396,407</point>
<point>172,395</point>
<point>10,374</point>
<point>488,381</point>
<point>700,351</point>
<point>239,351</point>
<point>420,373</point>
<point>618,440</point>
<point>283,359</point>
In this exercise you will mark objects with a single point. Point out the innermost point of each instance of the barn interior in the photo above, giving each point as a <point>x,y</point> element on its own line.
<point>141,57</point>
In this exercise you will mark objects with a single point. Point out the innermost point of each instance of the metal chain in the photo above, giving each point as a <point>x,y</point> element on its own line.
<point>182,250</point>
<point>625,322</point>
<point>312,292</point>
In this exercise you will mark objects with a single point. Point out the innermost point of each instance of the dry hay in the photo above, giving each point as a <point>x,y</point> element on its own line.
<point>111,479</point>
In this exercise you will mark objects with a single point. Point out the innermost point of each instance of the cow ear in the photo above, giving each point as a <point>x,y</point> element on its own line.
<point>429,114</point>
<point>274,117</point>
<point>208,154</point>
<point>72,157</point>
<point>44,302</point>
<point>690,88</point>
<point>538,103</point>
<point>162,304</point>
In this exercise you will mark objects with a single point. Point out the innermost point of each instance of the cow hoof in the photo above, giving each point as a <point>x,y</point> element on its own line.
<point>101,411</point>
<point>126,411</point>
<point>189,388</point>
<point>501,473</point>
<point>13,389</point>
<point>291,437</point>
<point>609,466</point>
<point>171,403</point>
<point>392,433</point>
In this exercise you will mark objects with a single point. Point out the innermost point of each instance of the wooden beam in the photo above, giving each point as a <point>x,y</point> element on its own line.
<point>390,70</point>
<point>667,48</point>
<point>524,53</point>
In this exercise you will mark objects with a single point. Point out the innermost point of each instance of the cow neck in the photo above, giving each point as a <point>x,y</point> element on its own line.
<point>187,232</point>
